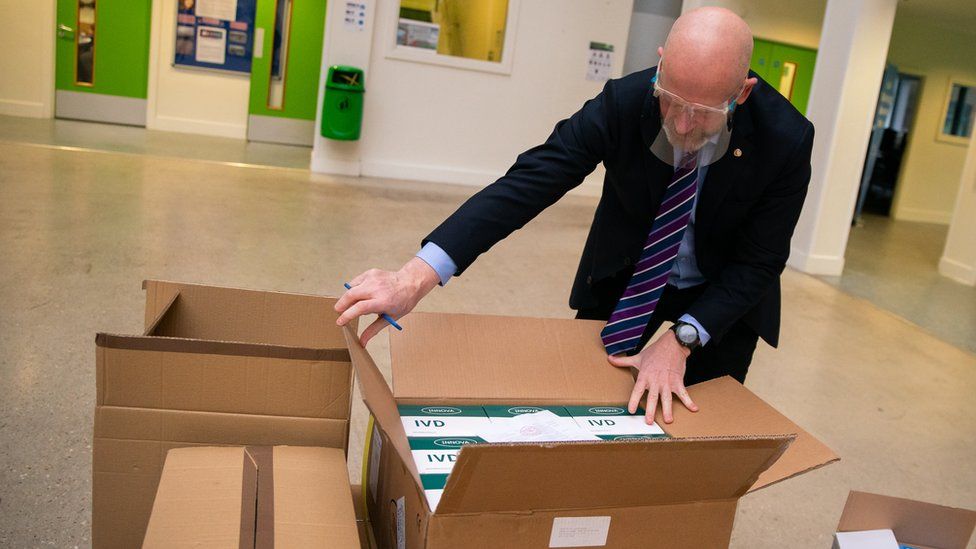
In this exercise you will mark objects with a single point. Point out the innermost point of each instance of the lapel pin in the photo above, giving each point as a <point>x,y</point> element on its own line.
<point>737,153</point>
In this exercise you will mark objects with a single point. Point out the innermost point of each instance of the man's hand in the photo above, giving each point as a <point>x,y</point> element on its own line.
<point>393,293</point>
<point>661,368</point>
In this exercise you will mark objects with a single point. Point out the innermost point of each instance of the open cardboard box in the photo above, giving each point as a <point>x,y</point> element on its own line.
<point>608,493</point>
<point>916,524</point>
<point>255,498</point>
<point>215,366</point>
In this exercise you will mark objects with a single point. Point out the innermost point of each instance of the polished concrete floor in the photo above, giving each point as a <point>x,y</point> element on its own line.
<point>894,265</point>
<point>80,230</point>
<point>133,140</point>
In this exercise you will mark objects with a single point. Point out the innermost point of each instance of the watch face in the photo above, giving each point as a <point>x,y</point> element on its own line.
<point>687,334</point>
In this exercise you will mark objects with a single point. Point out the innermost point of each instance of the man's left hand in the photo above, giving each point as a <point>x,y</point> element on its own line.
<point>661,373</point>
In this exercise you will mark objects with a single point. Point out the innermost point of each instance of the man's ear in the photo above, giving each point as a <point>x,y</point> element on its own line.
<point>746,90</point>
<point>660,52</point>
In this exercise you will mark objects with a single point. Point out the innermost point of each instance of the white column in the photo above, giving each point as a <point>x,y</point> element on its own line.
<point>958,260</point>
<point>846,80</point>
<point>342,45</point>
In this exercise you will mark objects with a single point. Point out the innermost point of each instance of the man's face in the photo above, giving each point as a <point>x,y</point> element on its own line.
<point>686,130</point>
<point>693,109</point>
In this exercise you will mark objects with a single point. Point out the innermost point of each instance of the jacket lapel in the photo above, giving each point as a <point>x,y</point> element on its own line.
<point>725,173</point>
<point>658,173</point>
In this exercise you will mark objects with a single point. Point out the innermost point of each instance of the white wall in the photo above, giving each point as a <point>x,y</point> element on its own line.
<point>929,179</point>
<point>959,258</point>
<point>27,58</point>
<point>445,124</point>
<point>189,100</point>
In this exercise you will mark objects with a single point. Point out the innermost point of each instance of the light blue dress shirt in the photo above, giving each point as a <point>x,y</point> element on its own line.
<point>684,271</point>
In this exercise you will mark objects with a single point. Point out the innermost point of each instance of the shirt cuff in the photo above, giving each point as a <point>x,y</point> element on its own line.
<point>702,333</point>
<point>437,258</point>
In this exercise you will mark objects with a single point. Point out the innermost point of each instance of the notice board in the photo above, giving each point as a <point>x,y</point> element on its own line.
<point>215,34</point>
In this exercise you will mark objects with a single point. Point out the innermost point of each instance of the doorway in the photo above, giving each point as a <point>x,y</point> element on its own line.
<point>893,120</point>
<point>285,72</point>
<point>102,60</point>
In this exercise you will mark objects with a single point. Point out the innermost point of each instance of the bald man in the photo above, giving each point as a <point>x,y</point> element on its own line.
<point>707,168</point>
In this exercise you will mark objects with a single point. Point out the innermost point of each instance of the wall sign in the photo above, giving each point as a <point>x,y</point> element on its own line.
<point>600,62</point>
<point>215,34</point>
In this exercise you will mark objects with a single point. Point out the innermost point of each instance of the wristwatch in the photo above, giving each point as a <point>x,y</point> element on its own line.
<point>686,334</point>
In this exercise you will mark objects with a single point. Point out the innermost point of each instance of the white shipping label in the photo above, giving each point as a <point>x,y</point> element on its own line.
<point>376,447</point>
<point>579,531</point>
<point>401,524</point>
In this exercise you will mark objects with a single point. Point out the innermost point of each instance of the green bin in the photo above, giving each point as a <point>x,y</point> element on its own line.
<point>342,108</point>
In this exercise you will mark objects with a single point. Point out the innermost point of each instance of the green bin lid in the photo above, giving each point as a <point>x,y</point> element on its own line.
<point>341,77</point>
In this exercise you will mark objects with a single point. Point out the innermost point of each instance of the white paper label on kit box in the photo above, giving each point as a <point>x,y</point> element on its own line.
<point>401,524</point>
<point>579,531</point>
<point>433,498</point>
<point>865,539</point>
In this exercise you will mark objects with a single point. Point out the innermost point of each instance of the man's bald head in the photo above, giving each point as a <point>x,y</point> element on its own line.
<point>707,54</point>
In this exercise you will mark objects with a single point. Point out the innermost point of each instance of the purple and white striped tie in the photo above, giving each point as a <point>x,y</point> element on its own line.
<point>629,319</point>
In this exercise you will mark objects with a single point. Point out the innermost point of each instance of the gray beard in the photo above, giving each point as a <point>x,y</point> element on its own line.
<point>695,146</point>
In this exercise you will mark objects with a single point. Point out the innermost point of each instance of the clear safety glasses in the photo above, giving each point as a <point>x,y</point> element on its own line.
<point>696,110</point>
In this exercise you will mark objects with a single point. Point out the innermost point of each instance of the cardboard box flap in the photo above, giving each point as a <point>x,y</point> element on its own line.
<point>158,311</point>
<point>379,399</point>
<point>205,493</point>
<point>209,347</point>
<point>587,475</point>
<point>159,297</point>
<point>458,357</point>
<point>233,314</point>
<point>312,502</point>
<point>726,408</point>
<point>914,522</point>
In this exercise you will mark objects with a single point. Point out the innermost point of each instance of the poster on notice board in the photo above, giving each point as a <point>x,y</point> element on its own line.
<point>215,34</point>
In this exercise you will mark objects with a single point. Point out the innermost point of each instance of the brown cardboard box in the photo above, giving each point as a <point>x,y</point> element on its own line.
<point>255,497</point>
<point>215,366</point>
<point>361,523</point>
<point>609,493</point>
<point>915,523</point>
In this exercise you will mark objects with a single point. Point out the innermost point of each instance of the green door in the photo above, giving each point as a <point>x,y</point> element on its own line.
<point>102,60</point>
<point>787,68</point>
<point>285,71</point>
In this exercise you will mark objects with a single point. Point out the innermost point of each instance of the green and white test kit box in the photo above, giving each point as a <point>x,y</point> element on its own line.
<point>442,421</point>
<point>436,433</point>
<point>614,422</point>
<point>435,457</point>
<point>504,413</point>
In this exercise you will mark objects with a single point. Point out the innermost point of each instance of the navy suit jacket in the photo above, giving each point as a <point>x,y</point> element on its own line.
<point>745,216</point>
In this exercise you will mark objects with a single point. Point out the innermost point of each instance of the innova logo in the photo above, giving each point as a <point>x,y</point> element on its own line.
<point>607,411</point>
<point>441,410</point>
<point>454,442</point>
<point>524,410</point>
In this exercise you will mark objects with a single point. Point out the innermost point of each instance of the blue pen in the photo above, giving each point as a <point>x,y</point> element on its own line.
<point>385,316</point>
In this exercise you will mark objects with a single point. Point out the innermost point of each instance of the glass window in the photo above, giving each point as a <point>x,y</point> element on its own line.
<point>959,111</point>
<point>85,43</point>
<point>472,29</point>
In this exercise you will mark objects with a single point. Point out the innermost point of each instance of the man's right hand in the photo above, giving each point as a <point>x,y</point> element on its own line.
<point>394,293</point>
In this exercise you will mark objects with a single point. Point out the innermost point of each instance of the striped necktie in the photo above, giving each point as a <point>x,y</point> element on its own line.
<point>633,311</point>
